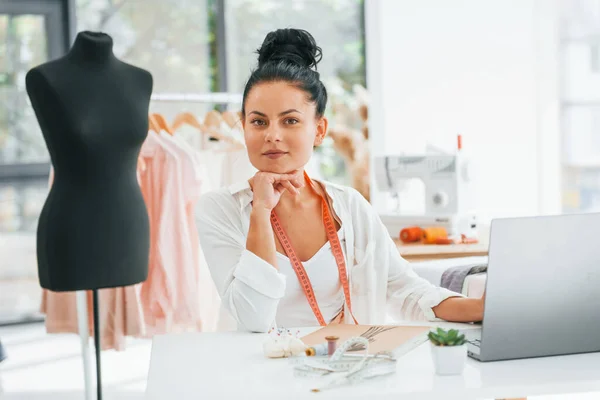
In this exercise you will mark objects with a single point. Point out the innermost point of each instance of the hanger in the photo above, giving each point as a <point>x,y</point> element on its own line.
<point>189,119</point>
<point>161,123</point>
<point>152,124</point>
<point>231,119</point>
<point>212,121</point>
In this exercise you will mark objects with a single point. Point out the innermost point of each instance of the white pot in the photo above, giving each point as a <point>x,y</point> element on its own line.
<point>449,360</point>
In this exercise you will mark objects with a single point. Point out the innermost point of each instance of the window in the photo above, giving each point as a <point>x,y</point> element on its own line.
<point>174,40</point>
<point>22,46</point>
<point>580,105</point>
<point>31,32</point>
<point>199,46</point>
<point>337,26</point>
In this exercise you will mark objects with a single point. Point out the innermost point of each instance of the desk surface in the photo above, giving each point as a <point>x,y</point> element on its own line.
<point>231,365</point>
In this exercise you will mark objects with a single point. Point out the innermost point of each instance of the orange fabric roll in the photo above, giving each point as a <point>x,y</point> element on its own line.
<point>412,234</point>
<point>431,235</point>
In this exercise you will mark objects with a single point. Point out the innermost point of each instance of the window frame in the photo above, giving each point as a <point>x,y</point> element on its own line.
<point>60,32</point>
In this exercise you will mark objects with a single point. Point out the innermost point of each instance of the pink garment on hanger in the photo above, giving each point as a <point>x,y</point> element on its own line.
<point>186,314</point>
<point>208,295</point>
<point>120,311</point>
<point>170,296</point>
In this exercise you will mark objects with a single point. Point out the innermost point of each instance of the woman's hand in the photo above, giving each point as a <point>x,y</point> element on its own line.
<point>482,304</point>
<point>268,187</point>
<point>457,309</point>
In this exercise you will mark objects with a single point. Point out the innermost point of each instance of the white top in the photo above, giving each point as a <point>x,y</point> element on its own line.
<point>231,365</point>
<point>322,270</point>
<point>383,285</point>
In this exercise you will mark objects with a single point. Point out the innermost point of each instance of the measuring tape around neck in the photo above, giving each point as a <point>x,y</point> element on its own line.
<point>336,248</point>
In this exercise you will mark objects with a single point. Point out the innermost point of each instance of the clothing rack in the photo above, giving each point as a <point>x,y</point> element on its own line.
<point>215,97</point>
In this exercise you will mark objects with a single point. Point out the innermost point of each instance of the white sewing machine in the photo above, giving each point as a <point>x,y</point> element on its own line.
<point>448,192</point>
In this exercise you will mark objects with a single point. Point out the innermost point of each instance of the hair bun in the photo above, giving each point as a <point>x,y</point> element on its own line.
<point>294,46</point>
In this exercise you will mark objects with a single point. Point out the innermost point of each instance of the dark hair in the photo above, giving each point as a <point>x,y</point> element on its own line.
<point>289,55</point>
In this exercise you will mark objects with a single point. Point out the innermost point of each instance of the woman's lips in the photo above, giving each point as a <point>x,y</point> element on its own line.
<point>273,155</point>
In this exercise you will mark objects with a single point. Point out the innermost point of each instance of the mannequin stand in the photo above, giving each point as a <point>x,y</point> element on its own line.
<point>84,335</point>
<point>97,345</point>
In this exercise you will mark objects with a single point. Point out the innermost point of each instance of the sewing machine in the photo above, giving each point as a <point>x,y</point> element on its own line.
<point>448,192</point>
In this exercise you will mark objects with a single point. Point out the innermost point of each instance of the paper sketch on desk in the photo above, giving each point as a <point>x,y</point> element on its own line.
<point>381,337</point>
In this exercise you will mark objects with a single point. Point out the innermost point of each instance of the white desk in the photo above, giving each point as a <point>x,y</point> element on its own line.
<point>232,366</point>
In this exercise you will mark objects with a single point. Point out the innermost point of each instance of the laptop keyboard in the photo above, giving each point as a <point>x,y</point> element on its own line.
<point>474,337</point>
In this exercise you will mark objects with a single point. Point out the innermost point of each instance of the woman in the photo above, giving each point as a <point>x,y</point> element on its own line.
<point>257,278</point>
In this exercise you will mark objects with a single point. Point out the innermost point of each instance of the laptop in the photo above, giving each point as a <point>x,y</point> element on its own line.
<point>542,289</point>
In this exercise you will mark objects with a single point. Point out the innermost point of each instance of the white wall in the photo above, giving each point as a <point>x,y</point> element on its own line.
<point>483,68</point>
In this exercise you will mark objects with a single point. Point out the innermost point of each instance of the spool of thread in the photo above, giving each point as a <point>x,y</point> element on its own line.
<point>331,344</point>
<point>431,235</point>
<point>411,234</point>
<point>317,350</point>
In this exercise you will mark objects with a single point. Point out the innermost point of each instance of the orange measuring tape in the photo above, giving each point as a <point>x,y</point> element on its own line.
<point>297,264</point>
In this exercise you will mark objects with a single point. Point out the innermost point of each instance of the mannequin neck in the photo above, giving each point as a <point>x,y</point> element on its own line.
<point>92,47</point>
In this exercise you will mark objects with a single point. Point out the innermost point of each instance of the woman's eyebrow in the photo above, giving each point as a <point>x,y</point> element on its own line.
<point>291,110</point>
<point>258,113</point>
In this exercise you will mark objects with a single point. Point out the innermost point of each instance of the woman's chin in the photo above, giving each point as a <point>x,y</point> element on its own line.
<point>277,169</point>
<point>274,170</point>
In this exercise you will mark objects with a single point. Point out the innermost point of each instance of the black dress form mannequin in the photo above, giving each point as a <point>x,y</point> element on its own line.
<point>93,231</point>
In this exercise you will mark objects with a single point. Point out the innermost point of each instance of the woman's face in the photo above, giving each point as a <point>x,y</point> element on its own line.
<point>281,127</point>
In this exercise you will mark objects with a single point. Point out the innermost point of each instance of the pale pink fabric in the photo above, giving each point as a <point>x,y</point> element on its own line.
<point>120,314</point>
<point>186,314</point>
<point>171,184</point>
<point>158,291</point>
<point>196,184</point>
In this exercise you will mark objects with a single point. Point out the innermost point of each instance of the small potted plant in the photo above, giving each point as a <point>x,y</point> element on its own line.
<point>449,351</point>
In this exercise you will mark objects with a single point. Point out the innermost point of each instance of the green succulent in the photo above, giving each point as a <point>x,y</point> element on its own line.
<point>441,337</point>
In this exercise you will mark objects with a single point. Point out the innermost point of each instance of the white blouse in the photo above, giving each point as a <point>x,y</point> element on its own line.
<point>322,270</point>
<point>383,286</point>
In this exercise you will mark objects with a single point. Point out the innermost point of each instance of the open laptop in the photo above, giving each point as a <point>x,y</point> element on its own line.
<point>542,289</point>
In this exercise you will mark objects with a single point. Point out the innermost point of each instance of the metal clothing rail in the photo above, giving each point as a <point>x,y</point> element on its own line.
<point>216,97</point>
